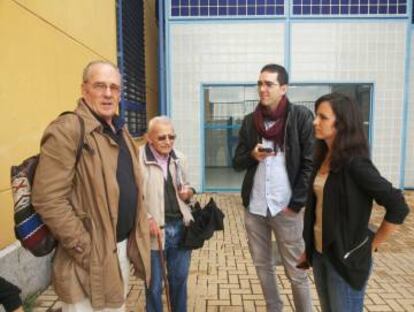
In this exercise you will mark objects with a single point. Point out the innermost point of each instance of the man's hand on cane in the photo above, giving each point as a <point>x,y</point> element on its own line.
<point>154,228</point>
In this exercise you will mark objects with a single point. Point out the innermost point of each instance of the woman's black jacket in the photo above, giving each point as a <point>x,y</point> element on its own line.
<point>347,203</point>
<point>298,148</point>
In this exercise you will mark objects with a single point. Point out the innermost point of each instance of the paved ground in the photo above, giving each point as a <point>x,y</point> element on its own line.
<point>222,276</point>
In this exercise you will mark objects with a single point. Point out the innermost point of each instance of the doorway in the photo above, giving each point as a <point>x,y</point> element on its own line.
<point>224,109</point>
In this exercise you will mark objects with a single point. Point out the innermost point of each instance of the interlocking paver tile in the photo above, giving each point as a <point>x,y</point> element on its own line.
<point>223,278</point>
<point>395,306</point>
<point>379,307</point>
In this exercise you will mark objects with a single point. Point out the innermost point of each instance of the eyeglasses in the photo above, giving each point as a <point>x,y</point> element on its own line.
<point>268,84</point>
<point>102,87</point>
<point>170,137</point>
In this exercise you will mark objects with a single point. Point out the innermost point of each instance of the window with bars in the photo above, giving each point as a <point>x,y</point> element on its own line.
<point>131,62</point>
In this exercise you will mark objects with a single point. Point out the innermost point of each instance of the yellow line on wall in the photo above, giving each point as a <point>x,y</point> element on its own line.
<point>58,29</point>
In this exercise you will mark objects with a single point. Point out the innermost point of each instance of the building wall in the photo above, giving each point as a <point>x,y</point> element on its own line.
<point>360,52</point>
<point>314,51</point>
<point>213,52</point>
<point>45,45</point>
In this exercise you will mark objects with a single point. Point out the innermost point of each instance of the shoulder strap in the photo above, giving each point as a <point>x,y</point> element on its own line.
<point>82,134</point>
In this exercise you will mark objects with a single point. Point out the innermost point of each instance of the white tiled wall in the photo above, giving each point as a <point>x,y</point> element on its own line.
<point>409,172</point>
<point>206,53</point>
<point>354,52</point>
<point>368,51</point>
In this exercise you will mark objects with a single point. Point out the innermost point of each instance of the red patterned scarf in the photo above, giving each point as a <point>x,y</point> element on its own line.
<point>275,133</point>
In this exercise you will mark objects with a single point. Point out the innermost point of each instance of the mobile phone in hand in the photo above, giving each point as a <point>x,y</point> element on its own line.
<point>303,265</point>
<point>265,149</point>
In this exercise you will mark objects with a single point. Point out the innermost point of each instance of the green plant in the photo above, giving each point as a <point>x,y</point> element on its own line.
<point>29,302</point>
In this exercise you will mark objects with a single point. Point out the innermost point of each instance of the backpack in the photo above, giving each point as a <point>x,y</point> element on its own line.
<point>29,228</point>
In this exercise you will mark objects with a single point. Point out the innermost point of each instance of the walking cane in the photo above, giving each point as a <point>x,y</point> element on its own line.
<point>164,274</point>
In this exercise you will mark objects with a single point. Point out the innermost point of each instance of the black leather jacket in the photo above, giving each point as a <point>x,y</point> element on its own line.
<point>298,150</point>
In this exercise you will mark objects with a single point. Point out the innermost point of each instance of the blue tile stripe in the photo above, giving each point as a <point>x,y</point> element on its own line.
<point>216,8</point>
<point>349,7</point>
<point>248,8</point>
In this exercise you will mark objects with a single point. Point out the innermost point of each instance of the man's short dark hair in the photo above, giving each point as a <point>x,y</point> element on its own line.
<point>282,75</point>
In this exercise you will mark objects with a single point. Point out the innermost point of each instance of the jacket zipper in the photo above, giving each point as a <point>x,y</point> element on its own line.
<point>356,248</point>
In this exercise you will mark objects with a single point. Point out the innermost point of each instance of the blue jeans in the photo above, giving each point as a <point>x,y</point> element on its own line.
<point>178,264</point>
<point>334,293</point>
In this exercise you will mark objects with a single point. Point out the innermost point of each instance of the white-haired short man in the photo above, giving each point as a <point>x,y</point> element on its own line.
<point>167,193</point>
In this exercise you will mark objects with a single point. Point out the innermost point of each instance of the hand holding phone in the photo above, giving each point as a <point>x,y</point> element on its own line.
<point>304,265</point>
<point>265,149</point>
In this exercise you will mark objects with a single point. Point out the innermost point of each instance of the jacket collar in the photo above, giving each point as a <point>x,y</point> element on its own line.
<point>92,122</point>
<point>150,158</point>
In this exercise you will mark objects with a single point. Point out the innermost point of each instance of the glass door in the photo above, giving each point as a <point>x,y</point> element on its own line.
<point>225,108</point>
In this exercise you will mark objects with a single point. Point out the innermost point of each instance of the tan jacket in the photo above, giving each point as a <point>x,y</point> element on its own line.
<point>153,186</point>
<point>80,206</point>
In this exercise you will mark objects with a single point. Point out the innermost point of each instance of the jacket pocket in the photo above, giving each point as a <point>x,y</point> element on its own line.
<point>81,251</point>
<point>86,242</point>
<point>356,248</point>
<point>69,279</point>
<point>360,253</point>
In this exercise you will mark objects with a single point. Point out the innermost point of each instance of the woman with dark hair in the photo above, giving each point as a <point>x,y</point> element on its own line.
<point>344,184</point>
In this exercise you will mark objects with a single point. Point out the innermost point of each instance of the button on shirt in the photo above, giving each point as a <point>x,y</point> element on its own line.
<point>271,187</point>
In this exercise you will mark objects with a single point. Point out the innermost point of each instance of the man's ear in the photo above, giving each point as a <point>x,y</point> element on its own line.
<point>147,137</point>
<point>83,89</point>
<point>284,89</point>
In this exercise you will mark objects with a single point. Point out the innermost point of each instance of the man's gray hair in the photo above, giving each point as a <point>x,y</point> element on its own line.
<point>158,120</point>
<point>86,71</point>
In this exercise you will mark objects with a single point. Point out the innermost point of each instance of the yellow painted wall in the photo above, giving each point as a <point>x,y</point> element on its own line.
<point>44,46</point>
<point>151,58</point>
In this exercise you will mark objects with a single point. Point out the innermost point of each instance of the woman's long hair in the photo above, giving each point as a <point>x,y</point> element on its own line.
<point>350,140</point>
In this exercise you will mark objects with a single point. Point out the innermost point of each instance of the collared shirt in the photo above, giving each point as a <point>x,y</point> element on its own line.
<point>271,187</point>
<point>162,161</point>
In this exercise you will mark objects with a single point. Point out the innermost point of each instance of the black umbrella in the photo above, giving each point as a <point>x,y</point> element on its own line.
<point>206,221</point>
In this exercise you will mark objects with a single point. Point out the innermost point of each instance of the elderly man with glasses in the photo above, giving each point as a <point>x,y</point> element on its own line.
<point>167,193</point>
<point>275,149</point>
<point>93,204</point>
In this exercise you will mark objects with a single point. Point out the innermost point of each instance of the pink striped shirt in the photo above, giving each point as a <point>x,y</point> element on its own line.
<point>162,160</point>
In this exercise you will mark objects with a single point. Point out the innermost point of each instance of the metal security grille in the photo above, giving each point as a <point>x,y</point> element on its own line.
<point>131,62</point>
